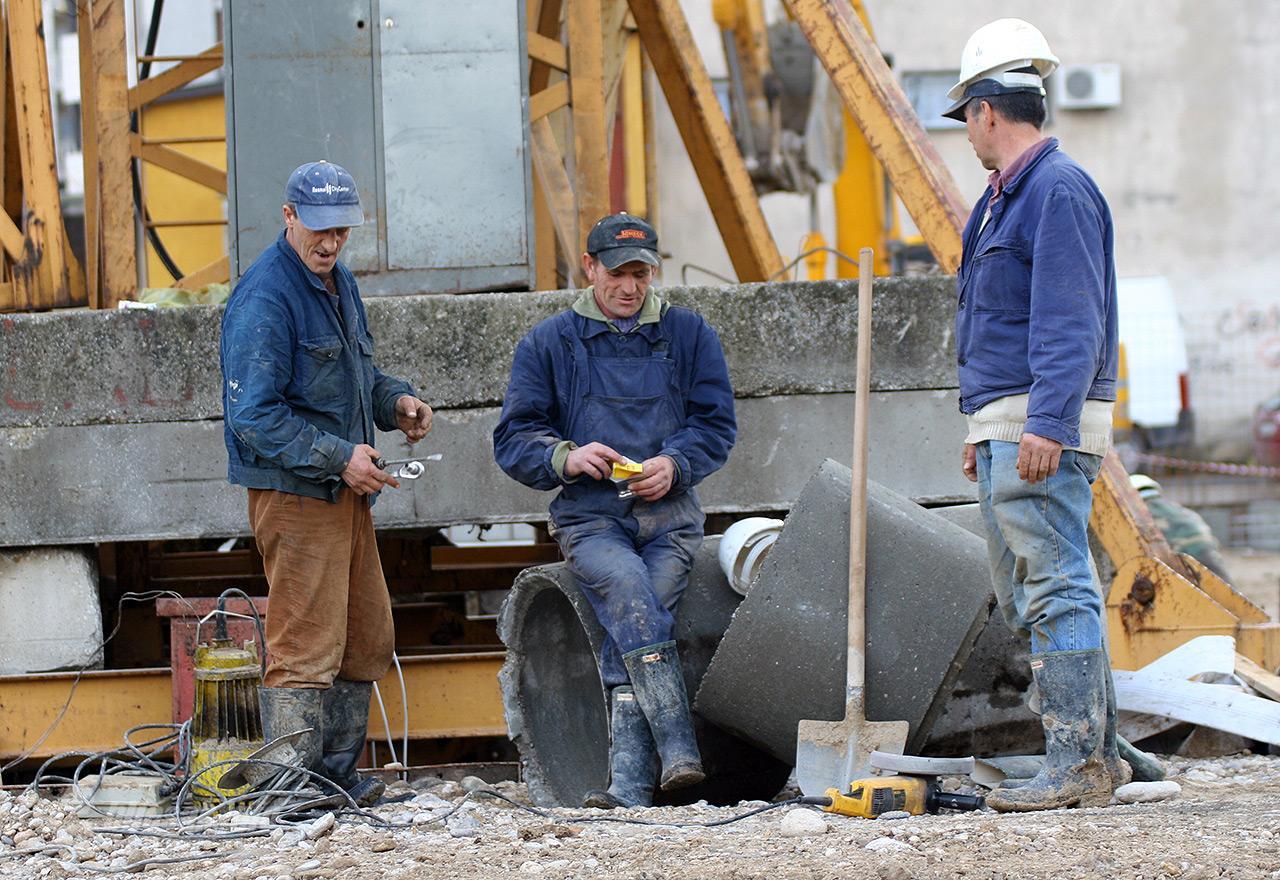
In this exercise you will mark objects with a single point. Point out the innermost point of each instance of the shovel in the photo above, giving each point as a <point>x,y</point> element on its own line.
<point>831,754</point>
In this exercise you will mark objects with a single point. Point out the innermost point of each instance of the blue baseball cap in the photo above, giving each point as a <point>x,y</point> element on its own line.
<point>324,195</point>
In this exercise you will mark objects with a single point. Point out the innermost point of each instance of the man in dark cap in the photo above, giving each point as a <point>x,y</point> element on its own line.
<point>623,377</point>
<point>301,398</point>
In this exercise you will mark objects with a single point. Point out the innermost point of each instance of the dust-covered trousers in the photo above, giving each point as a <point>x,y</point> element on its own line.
<point>1038,547</point>
<point>330,613</point>
<point>633,568</point>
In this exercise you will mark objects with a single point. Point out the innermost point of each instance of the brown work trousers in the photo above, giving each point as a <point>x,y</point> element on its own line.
<point>330,613</point>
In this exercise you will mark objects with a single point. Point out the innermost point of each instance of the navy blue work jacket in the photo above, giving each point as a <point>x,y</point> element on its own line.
<point>661,389</point>
<point>1036,310</point>
<point>299,386</point>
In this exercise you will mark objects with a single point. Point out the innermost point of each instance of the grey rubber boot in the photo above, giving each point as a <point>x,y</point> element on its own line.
<point>346,724</point>
<point>1117,767</point>
<point>288,710</point>
<point>633,757</point>
<point>659,688</point>
<point>1073,702</point>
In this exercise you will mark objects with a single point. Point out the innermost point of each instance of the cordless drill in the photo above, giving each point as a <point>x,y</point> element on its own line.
<point>868,798</point>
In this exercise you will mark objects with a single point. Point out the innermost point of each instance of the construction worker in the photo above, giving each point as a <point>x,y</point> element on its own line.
<point>301,398</point>
<point>1036,343</point>
<point>624,375</point>
<point>1183,528</point>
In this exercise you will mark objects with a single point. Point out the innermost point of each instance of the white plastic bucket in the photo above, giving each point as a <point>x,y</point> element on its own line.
<point>744,546</point>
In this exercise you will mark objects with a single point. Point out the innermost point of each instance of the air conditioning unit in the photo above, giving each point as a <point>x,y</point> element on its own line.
<point>1087,86</point>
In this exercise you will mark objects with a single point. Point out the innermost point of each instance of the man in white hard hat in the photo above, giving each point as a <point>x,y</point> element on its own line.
<point>1036,344</point>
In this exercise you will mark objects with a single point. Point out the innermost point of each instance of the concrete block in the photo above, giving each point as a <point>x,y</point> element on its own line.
<point>556,706</point>
<point>82,367</point>
<point>49,613</point>
<point>167,480</point>
<point>783,656</point>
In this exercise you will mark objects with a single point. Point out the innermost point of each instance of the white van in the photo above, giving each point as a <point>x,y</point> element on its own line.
<point>1153,408</point>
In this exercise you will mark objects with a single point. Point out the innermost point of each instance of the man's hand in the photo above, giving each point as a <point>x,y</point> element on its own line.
<point>969,463</point>
<point>656,481</point>
<point>595,460</point>
<point>362,475</point>
<point>1038,458</point>
<point>413,417</point>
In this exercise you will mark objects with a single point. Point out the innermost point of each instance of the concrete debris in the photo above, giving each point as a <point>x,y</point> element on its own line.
<point>320,827</point>
<point>473,783</point>
<point>464,825</point>
<point>894,814</point>
<point>889,845</point>
<point>802,822</point>
<point>1147,792</point>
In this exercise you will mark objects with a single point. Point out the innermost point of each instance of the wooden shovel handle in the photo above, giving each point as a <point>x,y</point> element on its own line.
<point>856,670</point>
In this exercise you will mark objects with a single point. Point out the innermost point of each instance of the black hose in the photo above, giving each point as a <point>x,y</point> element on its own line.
<point>153,34</point>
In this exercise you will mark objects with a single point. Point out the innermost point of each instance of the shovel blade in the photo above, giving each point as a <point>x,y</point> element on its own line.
<point>831,754</point>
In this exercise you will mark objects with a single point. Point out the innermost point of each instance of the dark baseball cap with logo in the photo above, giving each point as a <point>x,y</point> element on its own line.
<point>623,238</point>
<point>324,195</point>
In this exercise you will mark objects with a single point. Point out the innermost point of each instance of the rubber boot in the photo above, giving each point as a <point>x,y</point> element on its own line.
<point>288,710</point>
<point>346,724</point>
<point>659,689</point>
<point>1117,767</point>
<point>1146,767</point>
<point>1073,700</point>
<point>633,758</point>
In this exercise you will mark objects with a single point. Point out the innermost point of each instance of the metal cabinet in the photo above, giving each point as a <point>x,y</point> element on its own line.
<point>425,102</point>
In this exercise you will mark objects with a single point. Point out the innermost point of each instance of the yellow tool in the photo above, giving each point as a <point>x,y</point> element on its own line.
<point>226,724</point>
<point>871,797</point>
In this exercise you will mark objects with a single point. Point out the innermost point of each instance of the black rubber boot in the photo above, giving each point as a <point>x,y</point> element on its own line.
<point>1073,702</point>
<point>633,757</point>
<point>346,724</point>
<point>288,710</point>
<point>659,688</point>
<point>1117,767</point>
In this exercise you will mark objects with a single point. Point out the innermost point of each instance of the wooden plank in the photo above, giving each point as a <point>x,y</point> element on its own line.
<point>707,138</point>
<point>650,142</point>
<point>590,148</point>
<point>618,28</point>
<point>47,272</point>
<point>548,51</point>
<point>1262,681</point>
<point>555,186</point>
<point>119,246</point>
<point>216,272</point>
<point>181,164</point>
<point>89,147</point>
<point>544,240</point>
<point>10,237</point>
<point>545,20</point>
<point>549,100</point>
<point>7,145</point>
<point>1221,707</point>
<point>633,129</point>
<point>877,103</point>
<point>175,77</point>
<point>1200,655</point>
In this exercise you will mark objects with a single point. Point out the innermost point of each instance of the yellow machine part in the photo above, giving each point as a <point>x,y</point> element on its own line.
<point>868,798</point>
<point>226,724</point>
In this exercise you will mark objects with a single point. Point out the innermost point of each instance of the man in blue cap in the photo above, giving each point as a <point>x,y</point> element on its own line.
<point>301,398</point>
<point>624,376</point>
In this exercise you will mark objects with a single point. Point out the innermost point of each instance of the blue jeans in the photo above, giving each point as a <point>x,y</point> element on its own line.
<point>1038,547</point>
<point>633,570</point>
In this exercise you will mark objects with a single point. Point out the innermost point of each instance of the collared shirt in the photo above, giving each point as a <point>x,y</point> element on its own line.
<point>650,311</point>
<point>1000,178</point>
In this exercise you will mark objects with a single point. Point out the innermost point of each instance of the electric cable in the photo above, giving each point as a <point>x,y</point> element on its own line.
<point>622,820</point>
<point>257,622</point>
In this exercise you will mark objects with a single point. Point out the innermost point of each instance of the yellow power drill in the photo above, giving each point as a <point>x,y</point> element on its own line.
<point>869,798</point>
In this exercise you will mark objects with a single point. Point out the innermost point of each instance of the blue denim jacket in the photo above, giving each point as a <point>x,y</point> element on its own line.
<point>299,386</point>
<point>554,384</point>
<point>1036,310</point>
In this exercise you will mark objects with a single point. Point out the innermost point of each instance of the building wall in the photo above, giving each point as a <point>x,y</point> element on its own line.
<point>1187,162</point>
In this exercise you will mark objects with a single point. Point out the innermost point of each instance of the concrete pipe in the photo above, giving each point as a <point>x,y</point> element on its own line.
<point>783,657</point>
<point>556,706</point>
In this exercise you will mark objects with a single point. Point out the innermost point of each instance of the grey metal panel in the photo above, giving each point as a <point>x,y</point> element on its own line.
<point>302,90</point>
<point>71,485</point>
<point>453,134</point>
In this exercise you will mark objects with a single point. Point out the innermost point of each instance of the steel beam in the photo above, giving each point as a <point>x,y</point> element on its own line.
<point>450,695</point>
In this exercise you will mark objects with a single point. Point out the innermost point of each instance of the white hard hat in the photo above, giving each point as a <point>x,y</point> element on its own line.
<point>992,57</point>
<point>1143,483</point>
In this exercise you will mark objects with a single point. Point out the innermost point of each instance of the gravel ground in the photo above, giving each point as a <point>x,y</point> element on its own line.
<point>1224,823</point>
